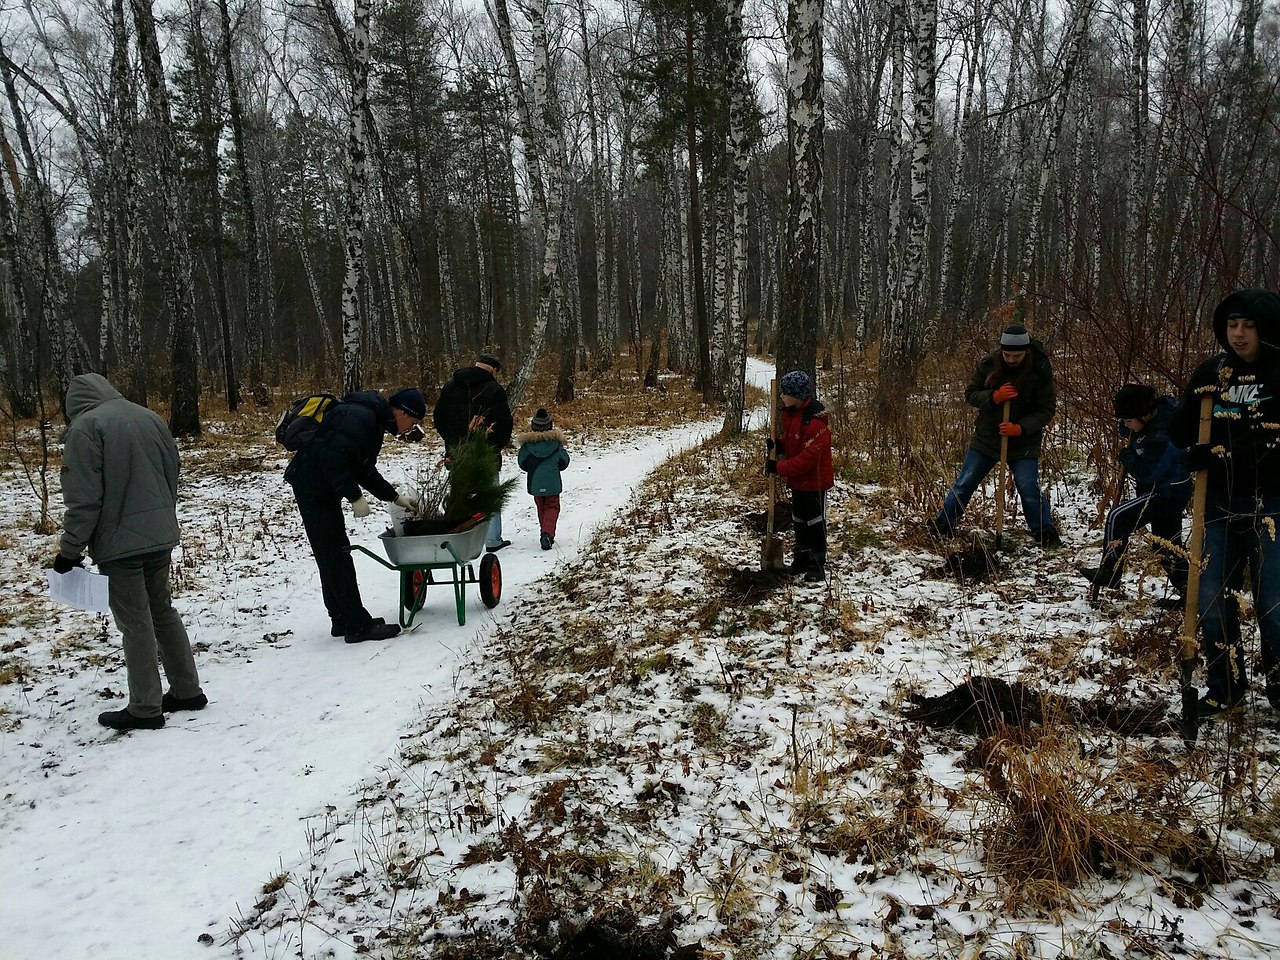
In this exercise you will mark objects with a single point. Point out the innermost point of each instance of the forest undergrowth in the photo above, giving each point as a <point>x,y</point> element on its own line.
<point>667,753</point>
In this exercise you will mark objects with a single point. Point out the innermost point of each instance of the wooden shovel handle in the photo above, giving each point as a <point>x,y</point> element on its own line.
<point>1004,463</point>
<point>1189,647</point>
<point>773,435</point>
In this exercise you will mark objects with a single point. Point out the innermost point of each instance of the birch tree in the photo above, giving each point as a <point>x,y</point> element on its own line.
<point>353,243</point>
<point>797,344</point>
<point>184,412</point>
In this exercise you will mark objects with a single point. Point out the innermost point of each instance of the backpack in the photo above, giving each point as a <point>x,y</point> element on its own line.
<point>300,422</point>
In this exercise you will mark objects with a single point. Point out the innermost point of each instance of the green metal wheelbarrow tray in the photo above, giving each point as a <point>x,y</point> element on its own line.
<point>419,559</point>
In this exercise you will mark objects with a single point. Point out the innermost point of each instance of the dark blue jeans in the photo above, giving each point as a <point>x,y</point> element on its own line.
<point>1239,531</point>
<point>1026,477</point>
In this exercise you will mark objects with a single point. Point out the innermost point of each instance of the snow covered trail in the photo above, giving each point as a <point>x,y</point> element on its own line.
<point>134,845</point>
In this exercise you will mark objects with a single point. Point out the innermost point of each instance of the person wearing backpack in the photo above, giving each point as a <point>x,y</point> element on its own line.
<point>470,393</point>
<point>340,461</point>
<point>542,455</point>
<point>1242,459</point>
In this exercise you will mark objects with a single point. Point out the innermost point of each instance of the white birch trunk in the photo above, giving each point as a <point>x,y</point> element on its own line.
<point>893,234</point>
<point>739,151</point>
<point>904,336</point>
<point>184,417</point>
<point>353,242</point>
<point>546,137</point>
<point>806,123</point>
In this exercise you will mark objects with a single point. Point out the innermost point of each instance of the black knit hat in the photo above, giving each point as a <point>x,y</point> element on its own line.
<point>411,401</point>
<point>1134,401</point>
<point>1015,337</point>
<point>489,360</point>
<point>541,421</point>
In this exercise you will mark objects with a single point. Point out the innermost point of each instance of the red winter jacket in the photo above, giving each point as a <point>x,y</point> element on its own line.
<point>804,446</point>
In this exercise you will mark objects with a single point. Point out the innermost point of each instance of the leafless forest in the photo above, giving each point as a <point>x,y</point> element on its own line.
<point>212,196</point>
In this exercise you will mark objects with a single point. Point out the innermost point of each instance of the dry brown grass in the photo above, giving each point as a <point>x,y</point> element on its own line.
<point>1054,818</point>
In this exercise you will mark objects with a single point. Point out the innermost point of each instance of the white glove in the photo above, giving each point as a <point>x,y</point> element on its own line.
<point>408,503</point>
<point>360,507</point>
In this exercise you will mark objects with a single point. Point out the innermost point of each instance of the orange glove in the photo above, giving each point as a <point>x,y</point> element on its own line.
<point>1010,429</point>
<point>1004,394</point>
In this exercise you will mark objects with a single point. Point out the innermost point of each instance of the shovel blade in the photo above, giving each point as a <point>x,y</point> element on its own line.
<point>771,556</point>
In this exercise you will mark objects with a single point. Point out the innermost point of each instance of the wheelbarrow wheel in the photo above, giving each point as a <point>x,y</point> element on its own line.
<point>413,590</point>
<point>490,581</point>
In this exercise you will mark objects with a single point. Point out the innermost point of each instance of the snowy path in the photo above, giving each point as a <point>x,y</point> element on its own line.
<point>136,844</point>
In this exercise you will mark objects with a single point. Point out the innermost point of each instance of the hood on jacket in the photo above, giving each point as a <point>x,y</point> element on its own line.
<point>376,402</point>
<point>1260,306</point>
<point>536,436</point>
<point>813,407</point>
<point>473,376</point>
<point>86,391</point>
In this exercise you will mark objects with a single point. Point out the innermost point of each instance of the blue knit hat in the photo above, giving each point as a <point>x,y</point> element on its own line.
<point>411,401</point>
<point>796,384</point>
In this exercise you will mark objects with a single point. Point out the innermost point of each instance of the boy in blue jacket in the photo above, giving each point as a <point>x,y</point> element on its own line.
<point>1159,472</point>
<point>542,455</point>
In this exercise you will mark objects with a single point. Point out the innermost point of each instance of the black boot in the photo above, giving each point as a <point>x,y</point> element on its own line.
<point>801,563</point>
<point>171,704</point>
<point>340,629</point>
<point>1049,538</point>
<point>124,720</point>
<point>374,631</point>
<point>1106,574</point>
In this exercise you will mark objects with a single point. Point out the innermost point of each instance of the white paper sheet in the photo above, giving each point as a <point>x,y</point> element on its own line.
<point>81,589</point>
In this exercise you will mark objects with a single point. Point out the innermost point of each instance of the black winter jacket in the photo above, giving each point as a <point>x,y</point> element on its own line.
<point>342,457</point>
<point>1245,430</point>
<point>1157,466</point>
<point>469,393</point>
<point>1032,409</point>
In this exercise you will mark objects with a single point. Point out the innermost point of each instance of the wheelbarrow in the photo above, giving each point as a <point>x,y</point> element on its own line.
<point>420,559</point>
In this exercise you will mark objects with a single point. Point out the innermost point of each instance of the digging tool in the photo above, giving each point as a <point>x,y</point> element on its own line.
<point>1189,648</point>
<point>1004,469</point>
<point>771,549</point>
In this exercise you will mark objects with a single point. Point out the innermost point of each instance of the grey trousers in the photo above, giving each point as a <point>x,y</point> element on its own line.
<point>143,608</point>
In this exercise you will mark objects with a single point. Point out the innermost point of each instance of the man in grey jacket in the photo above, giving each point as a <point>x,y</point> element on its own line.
<point>120,488</point>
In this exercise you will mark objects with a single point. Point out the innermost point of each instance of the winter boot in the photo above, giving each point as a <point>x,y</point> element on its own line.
<point>1107,575</point>
<point>340,629</point>
<point>937,529</point>
<point>1211,707</point>
<point>498,546</point>
<point>1049,538</point>
<point>1273,689</point>
<point>546,541</point>
<point>801,563</point>
<point>815,575</point>
<point>374,631</point>
<point>171,704</point>
<point>124,720</point>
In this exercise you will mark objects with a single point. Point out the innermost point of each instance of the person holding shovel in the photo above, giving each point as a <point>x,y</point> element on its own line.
<point>1242,506</point>
<point>801,456</point>
<point>1163,487</point>
<point>1012,387</point>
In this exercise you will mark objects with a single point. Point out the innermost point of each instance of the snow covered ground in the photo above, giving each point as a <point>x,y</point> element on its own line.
<point>133,845</point>
<point>637,731</point>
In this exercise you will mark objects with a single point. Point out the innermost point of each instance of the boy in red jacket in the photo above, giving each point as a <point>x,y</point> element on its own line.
<point>802,458</point>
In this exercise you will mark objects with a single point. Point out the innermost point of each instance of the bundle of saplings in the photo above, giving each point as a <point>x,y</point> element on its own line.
<point>472,494</point>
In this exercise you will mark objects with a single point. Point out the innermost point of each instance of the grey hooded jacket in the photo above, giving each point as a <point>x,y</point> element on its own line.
<point>119,475</point>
